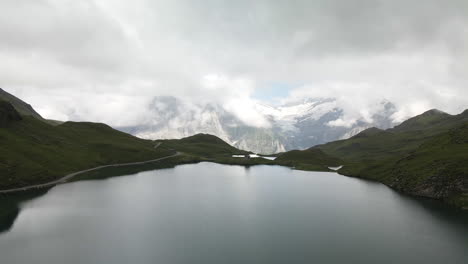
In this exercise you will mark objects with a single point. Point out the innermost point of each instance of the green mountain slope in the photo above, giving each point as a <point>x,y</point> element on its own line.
<point>23,108</point>
<point>309,159</point>
<point>426,120</point>
<point>8,114</point>
<point>202,145</point>
<point>438,168</point>
<point>427,156</point>
<point>20,106</point>
<point>35,152</point>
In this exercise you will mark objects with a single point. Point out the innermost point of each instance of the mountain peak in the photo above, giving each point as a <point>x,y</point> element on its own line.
<point>422,121</point>
<point>434,111</point>
<point>202,137</point>
<point>368,132</point>
<point>464,113</point>
<point>22,107</point>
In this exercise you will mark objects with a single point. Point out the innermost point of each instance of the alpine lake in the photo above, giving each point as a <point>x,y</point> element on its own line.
<point>211,213</point>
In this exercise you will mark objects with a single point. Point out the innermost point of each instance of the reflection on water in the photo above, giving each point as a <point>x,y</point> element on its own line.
<point>254,156</point>
<point>10,206</point>
<point>335,168</point>
<point>211,213</point>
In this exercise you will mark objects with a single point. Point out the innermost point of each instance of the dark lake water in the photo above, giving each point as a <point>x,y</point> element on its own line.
<point>209,213</point>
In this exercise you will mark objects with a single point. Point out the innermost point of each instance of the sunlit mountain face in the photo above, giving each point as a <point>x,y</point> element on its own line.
<point>294,125</point>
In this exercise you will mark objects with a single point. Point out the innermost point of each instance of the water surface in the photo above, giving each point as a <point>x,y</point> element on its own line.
<point>209,213</point>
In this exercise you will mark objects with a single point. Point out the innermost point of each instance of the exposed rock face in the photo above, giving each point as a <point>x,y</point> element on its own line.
<point>439,186</point>
<point>297,125</point>
<point>8,114</point>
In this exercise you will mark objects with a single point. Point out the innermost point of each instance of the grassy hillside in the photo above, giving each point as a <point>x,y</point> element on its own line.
<point>35,152</point>
<point>202,145</point>
<point>8,114</point>
<point>23,108</point>
<point>205,147</point>
<point>20,106</point>
<point>427,155</point>
<point>375,144</point>
<point>438,168</point>
<point>426,120</point>
<point>309,159</point>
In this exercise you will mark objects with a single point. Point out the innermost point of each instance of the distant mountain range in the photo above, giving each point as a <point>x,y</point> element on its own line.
<point>296,125</point>
<point>426,155</point>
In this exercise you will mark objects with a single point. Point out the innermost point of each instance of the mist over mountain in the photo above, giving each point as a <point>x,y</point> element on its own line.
<point>293,125</point>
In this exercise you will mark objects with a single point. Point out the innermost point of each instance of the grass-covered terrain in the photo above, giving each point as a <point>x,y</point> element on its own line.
<point>211,148</point>
<point>20,106</point>
<point>426,155</point>
<point>132,169</point>
<point>202,145</point>
<point>23,108</point>
<point>309,159</point>
<point>33,151</point>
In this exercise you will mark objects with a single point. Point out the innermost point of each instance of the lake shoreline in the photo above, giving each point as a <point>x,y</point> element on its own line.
<point>135,167</point>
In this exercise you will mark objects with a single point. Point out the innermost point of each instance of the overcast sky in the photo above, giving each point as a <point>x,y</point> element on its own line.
<point>103,60</point>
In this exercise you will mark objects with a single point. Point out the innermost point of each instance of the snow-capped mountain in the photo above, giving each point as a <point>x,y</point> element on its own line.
<point>296,125</point>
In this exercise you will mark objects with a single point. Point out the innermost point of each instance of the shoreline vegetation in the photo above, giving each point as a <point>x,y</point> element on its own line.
<point>73,175</point>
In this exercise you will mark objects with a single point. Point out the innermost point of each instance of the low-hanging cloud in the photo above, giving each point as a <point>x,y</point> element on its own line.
<point>104,60</point>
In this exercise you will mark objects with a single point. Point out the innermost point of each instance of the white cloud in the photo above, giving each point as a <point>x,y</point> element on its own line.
<point>104,60</point>
<point>235,96</point>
